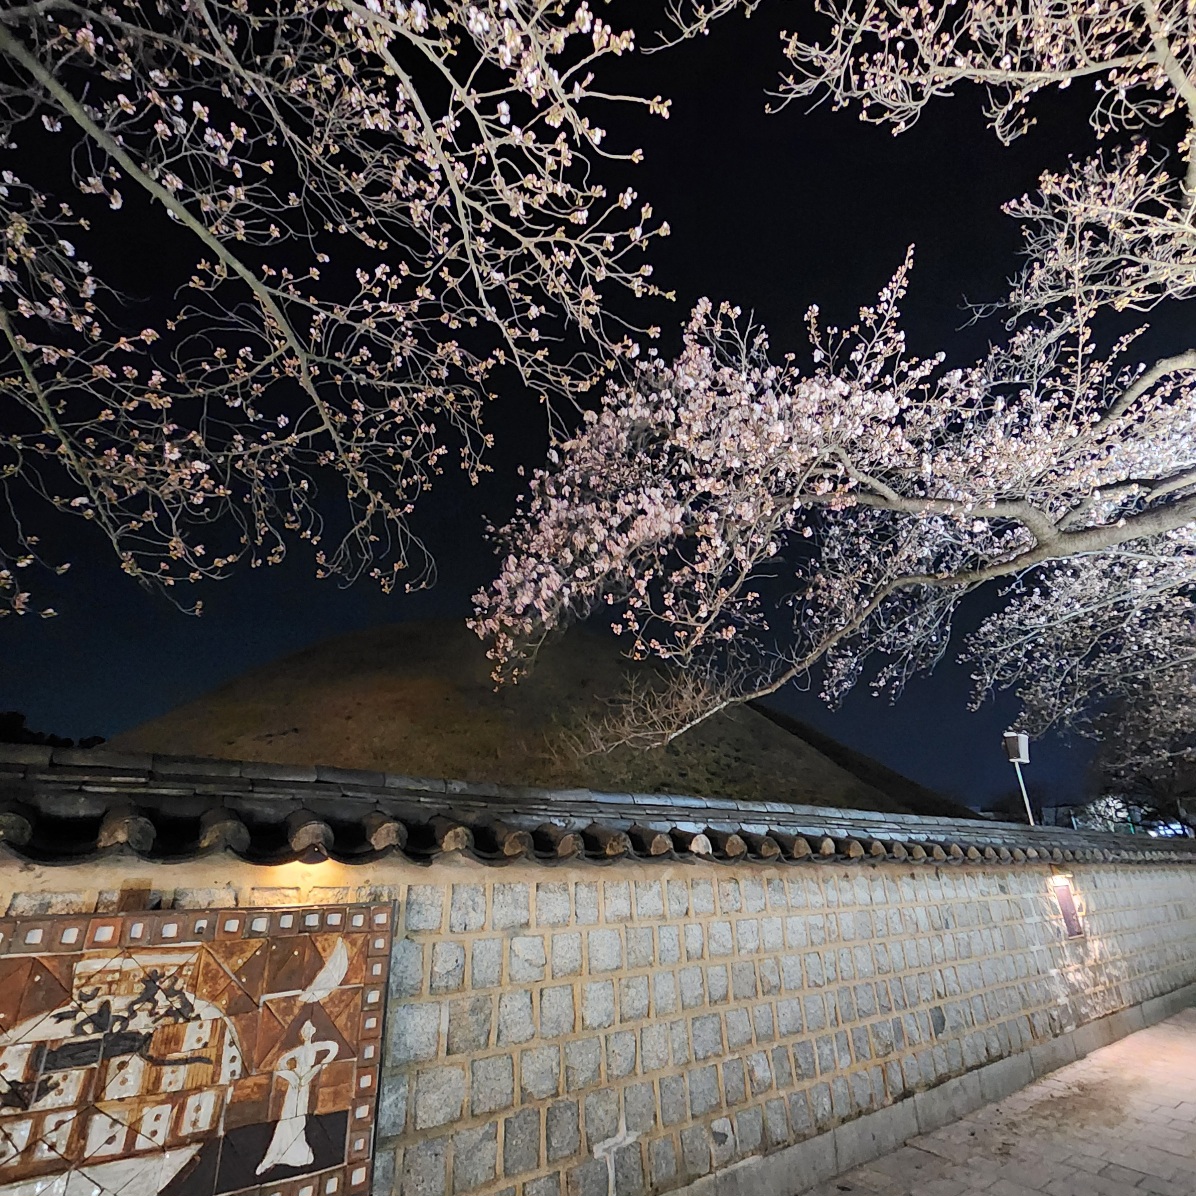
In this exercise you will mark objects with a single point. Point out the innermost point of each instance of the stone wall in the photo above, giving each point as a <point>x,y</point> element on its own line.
<point>576,1034</point>
<point>582,1030</point>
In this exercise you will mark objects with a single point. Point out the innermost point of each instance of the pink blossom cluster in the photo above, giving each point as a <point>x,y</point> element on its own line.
<point>861,500</point>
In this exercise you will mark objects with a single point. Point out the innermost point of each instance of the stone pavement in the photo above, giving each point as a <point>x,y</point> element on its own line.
<point>1119,1122</point>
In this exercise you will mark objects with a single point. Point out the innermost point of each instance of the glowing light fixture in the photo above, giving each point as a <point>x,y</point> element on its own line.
<point>1061,883</point>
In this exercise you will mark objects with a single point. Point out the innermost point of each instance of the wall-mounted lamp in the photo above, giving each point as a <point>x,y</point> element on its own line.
<point>1061,883</point>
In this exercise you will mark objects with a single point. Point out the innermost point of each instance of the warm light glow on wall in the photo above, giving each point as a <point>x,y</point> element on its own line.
<point>305,876</point>
<point>1061,883</point>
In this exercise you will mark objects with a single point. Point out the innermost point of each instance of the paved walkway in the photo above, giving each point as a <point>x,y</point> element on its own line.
<point>1119,1122</point>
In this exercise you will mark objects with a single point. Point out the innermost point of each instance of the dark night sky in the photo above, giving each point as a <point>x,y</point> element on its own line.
<point>771,212</point>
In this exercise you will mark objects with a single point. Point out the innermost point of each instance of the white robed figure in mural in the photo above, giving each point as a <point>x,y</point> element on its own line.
<point>297,1069</point>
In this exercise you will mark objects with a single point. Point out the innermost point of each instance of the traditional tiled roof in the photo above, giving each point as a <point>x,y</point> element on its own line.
<point>65,805</point>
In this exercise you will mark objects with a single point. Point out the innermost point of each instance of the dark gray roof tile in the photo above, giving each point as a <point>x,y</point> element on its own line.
<point>79,804</point>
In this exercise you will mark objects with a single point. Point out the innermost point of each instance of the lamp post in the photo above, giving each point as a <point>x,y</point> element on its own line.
<point>1017,748</point>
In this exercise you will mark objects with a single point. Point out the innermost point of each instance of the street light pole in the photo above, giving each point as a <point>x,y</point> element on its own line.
<point>1025,798</point>
<point>1017,748</point>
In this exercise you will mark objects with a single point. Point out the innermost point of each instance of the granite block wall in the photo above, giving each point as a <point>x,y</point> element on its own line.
<point>589,1030</point>
<point>583,1032</point>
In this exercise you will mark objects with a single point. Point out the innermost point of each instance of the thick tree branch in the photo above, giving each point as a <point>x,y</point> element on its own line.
<point>1156,373</point>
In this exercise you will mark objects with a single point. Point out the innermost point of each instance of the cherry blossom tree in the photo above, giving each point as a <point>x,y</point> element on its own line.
<point>748,518</point>
<point>389,204</point>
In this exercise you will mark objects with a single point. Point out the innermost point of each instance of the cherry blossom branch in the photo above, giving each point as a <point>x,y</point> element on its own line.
<point>402,236</point>
<point>1161,369</point>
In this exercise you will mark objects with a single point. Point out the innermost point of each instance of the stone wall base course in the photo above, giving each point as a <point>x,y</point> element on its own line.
<point>795,1169</point>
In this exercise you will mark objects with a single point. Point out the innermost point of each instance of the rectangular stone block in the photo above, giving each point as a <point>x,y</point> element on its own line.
<point>707,1035</point>
<point>692,983</point>
<point>674,1107</point>
<point>649,899</point>
<point>469,1020</point>
<point>947,1102</point>
<point>1006,1076</point>
<point>601,1116</point>
<point>556,1011</point>
<point>582,1061</point>
<point>598,1004</point>
<point>467,910</point>
<point>552,904</point>
<point>425,907</point>
<point>425,1165</point>
<point>639,1108</point>
<point>540,1072</point>
<point>566,955</point>
<point>406,968</point>
<point>734,1082</point>
<point>491,1084</point>
<point>875,1134</point>
<point>526,959</point>
<point>718,987</point>
<point>695,1150</point>
<point>510,907</point>
<point>762,1024</point>
<point>739,1028</point>
<point>616,900</point>
<point>704,1095</point>
<point>392,1105</point>
<point>1047,1056</point>
<point>562,1131</point>
<point>587,1179</point>
<point>448,967</point>
<point>439,1096</point>
<point>585,902</point>
<point>475,1157</point>
<point>654,1047</point>
<point>730,900</point>
<point>620,1055</point>
<point>1091,1037</point>
<point>719,939</point>
<point>414,1033</point>
<point>662,1163</point>
<point>485,963</point>
<point>641,951</point>
<point>521,1142</point>
<point>515,1022</point>
<point>604,949</point>
<point>668,945</point>
<point>382,1182</point>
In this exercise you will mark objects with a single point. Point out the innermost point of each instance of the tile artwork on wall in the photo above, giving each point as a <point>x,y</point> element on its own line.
<point>191,1053</point>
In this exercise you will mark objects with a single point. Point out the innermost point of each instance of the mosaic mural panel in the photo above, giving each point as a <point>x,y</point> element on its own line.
<point>191,1053</point>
